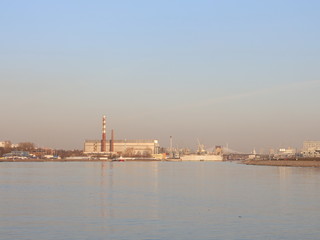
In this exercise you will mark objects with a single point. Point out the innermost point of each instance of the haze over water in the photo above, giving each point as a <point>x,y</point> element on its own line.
<point>244,72</point>
<point>158,200</point>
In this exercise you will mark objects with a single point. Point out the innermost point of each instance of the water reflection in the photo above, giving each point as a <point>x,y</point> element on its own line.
<point>158,200</point>
<point>103,192</point>
<point>141,189</point>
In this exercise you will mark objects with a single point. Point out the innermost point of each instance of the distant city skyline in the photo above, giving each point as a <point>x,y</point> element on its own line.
<point>242,73</point>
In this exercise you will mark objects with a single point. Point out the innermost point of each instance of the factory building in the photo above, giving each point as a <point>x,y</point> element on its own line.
<point>122,147</point>
<point>128,147</point>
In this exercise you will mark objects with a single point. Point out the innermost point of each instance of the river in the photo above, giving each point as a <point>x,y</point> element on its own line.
<point>157,200</point>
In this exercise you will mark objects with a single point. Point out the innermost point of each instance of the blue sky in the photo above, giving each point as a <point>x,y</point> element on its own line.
<point>244,73</point>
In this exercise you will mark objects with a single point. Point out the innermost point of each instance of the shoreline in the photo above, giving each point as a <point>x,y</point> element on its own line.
<point>279,163</point>
<point>284,163</point>
<point>77,160</point>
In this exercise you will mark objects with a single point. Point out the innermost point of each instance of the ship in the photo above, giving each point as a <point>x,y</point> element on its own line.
<point>203,155</point>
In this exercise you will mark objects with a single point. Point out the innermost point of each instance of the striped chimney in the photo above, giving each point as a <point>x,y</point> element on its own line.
<point>104,137</point>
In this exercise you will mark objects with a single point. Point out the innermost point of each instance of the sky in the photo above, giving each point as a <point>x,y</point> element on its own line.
<point>240,73</point>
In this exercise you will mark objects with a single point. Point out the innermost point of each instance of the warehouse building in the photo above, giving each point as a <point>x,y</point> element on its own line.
<point>125,147</point>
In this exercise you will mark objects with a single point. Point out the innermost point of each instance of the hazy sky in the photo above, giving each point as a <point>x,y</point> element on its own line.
<point>246,73</point>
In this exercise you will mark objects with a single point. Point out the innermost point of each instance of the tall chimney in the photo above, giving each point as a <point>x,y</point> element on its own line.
<point>112,142</point>
<point>104,138</point>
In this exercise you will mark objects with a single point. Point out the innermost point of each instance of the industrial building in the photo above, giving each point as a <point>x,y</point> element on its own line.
<point>121,147</point>
<point>128,147</point>
<point>311,148</point>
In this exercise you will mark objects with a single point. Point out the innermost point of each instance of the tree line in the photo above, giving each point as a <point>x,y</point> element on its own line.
<point>39,152</point>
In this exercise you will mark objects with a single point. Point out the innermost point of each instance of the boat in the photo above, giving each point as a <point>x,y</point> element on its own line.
<point>204,155</point>
<point>197,157</point>
<point>122,159</point>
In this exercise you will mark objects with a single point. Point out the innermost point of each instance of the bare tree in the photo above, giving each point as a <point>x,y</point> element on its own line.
<point>7,145</point>
<point>26,146</point>
<point>6,148</point>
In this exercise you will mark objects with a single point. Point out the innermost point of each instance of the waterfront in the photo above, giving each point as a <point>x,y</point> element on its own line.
<point>285,162</point>
<point>157,200</point>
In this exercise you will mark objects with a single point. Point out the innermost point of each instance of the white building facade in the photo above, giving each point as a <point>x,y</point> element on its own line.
<point>311,148</point>
<point>4,144</point>
<point>128,147</point>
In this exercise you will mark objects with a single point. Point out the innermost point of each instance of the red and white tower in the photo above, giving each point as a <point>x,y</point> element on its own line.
<point>104,137</point>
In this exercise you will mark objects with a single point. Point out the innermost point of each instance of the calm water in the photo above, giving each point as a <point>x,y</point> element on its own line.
<point>158,200</point>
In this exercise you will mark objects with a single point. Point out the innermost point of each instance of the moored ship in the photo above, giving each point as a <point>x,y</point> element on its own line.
<point>206,157</point>
<point>203,155</point>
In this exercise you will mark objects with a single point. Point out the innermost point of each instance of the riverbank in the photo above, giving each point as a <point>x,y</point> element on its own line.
<point>49,160</point>
<point>284,163</point>
<point>78,160</point>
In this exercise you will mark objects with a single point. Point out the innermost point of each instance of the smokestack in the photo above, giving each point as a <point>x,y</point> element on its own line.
<point>171,149</point>
<point>104,137</point>
<point>112,142</point>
